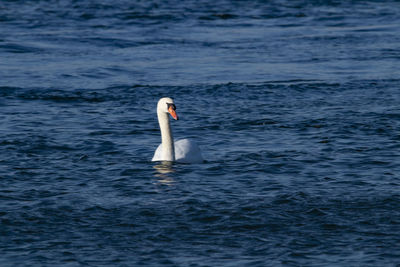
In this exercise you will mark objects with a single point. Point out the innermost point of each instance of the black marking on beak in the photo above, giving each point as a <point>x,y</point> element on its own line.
<point>171,105</point>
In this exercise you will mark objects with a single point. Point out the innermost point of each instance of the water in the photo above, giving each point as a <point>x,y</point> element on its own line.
<point>295,105</point>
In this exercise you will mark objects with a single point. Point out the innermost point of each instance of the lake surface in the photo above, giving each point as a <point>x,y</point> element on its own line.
<point>295,105</point>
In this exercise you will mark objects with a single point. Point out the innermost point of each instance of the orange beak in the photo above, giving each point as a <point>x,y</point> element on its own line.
<point>173,113</point>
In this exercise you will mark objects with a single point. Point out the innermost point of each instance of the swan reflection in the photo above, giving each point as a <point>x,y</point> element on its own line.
<point>163,169</point>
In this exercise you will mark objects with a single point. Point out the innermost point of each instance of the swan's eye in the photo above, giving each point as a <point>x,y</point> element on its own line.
<point>171,105</point>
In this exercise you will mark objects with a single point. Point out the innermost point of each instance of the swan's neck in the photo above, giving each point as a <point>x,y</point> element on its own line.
<point>167,142</point>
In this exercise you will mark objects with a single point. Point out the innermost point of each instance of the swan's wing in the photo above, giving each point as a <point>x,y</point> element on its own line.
<point>158,154</point>
<point>187,151</point>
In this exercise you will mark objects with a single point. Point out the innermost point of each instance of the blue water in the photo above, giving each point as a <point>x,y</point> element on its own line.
<point>295,105</point>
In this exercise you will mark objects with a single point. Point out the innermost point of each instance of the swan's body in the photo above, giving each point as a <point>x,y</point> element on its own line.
<point>184,150</point>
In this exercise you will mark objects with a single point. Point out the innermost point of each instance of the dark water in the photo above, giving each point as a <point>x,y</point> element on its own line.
<point>295,105</point>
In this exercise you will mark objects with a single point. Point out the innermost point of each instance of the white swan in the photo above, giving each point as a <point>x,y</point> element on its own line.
<point>183,150</point>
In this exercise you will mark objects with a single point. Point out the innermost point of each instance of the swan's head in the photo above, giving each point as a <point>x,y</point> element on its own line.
<point>166,105</point>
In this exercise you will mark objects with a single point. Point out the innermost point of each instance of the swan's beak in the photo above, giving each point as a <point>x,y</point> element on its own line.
<point>173,113</point>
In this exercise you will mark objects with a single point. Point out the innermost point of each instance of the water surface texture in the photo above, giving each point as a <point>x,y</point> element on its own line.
<point>295,105</point>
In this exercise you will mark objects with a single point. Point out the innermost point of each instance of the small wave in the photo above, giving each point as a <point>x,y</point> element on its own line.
<point>6,91</point>
<point>17,48</point>
<point>56,95</point>
<point>223,16</point>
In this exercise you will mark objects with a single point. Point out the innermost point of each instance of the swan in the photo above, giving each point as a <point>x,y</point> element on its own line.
<point>184,150</point>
